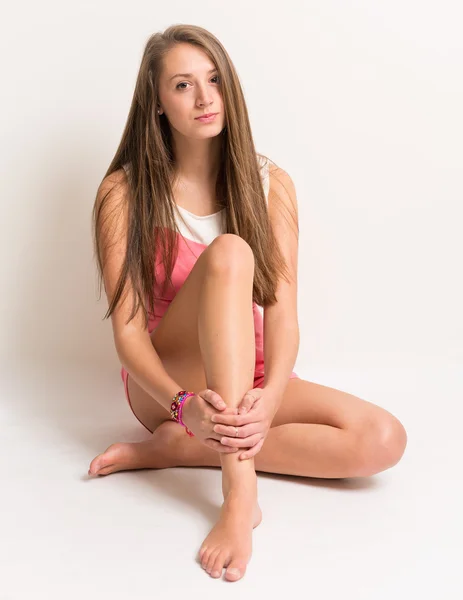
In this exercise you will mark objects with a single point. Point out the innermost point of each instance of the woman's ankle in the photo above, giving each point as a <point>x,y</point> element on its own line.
<point>239,483</point>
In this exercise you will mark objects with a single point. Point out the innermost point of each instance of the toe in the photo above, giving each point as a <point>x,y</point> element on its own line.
<point>105,459</point>
<point>107,470</point>
<point>218,564</point>
<point>235,571</point>
<point>95,466</point>
<point>100,466</point>
<point>201,553</point>
<point>211,561</point>
<point>205,558</point>
<point>105,463</point>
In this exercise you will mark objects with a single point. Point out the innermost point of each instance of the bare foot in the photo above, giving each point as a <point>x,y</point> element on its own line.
<point>155,453</point>
<point>229,544</point>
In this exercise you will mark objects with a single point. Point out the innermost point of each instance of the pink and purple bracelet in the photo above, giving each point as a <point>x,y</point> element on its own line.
<point>177,406</point>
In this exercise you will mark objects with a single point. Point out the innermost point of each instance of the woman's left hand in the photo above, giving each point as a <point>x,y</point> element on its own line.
<point>257,410</point>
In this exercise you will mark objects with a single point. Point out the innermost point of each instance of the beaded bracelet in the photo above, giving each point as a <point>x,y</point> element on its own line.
<point>177,406</point>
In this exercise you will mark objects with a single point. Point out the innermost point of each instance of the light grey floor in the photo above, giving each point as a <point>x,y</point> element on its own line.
<point>134,535</point>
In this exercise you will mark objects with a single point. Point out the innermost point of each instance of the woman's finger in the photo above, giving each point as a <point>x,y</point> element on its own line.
<point>210,443</point>
<point>241,442</point>
<point>237,432</point>
<point>213,398</point>
<point>237,420</point>
<point>247,402</point>
<point>252,451</point>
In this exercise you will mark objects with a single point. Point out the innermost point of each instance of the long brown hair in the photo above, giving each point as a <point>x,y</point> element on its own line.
<point>146,146</point>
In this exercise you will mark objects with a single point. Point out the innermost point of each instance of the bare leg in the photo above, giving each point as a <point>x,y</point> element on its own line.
<point>301,449</point>
<point>226,337</point>
<point>298,443</point>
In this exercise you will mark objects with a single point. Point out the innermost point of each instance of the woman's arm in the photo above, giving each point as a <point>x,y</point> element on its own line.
<point>132,340</point>
<point>281,345</point>
<point>281,327</point>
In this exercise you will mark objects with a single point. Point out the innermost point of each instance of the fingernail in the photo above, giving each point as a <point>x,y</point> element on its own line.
<point>222,404</point>
<point>214,419</point>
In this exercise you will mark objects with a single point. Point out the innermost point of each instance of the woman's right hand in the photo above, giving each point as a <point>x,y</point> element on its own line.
<point>197,411</point>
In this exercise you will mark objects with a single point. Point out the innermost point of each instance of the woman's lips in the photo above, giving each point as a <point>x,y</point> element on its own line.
<point>207,119</point>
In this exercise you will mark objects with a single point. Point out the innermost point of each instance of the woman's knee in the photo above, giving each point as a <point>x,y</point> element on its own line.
<point>382,443</point>
<point>229,253</point>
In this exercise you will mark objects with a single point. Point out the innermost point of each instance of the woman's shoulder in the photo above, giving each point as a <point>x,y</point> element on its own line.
<point>263,160</point>
<point>267,166</point>
<point>113,189</point>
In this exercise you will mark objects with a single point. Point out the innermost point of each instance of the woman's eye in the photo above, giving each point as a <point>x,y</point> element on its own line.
<point>185,83</point>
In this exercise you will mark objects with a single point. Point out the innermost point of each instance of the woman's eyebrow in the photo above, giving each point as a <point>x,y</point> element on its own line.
<point>189,74</point>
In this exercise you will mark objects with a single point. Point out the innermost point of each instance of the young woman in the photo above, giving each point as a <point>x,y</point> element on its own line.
<point>195,234</point>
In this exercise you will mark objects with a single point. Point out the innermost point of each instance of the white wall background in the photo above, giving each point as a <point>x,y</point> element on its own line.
<point>359,101</point>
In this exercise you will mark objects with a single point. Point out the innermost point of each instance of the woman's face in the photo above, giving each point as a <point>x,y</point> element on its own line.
<point>197,91</point>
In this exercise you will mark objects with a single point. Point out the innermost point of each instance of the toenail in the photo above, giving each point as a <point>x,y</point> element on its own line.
<point>233,571</point>
<point>215,573</point>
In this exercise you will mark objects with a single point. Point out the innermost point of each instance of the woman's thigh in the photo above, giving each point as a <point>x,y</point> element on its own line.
<point>308,402</point>
<point>183,362</point>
